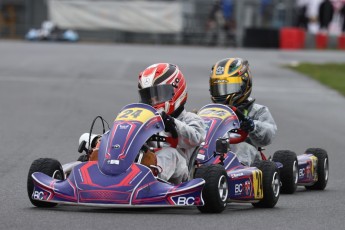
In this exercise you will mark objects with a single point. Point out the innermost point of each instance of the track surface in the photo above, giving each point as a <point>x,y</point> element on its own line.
<point>50,93</point>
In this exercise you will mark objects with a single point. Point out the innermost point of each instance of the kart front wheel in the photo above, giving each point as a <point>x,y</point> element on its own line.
<point>270,184</point>
<point>322,168</point>
<point>216,191</point>
<point>48,166</point>
<point>289,172</point>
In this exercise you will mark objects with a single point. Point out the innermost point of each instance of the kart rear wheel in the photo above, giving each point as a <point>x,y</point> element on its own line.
<point>48,166</point>
<point>270,184</point>
<point>289,172</point>
<point>322,168</point>
<point>216,191</point>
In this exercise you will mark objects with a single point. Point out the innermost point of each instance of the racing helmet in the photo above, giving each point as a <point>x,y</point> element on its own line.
<point>230,81</point>
<point>163,86</point>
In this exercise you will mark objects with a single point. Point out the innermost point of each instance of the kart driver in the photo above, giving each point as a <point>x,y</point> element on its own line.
<point>231,84</point>
<point>163,86</point>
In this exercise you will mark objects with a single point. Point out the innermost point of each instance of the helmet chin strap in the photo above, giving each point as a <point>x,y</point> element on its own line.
<point>177,111</point>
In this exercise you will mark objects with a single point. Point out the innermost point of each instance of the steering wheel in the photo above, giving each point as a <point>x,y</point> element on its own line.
<point>238,135</point>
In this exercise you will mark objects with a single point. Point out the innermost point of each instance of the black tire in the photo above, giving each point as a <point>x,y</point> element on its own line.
<point>48,166</point>
<point>322,168</point>
<point>289,172</point>
<point>270,184</point>
<point>216,191</point>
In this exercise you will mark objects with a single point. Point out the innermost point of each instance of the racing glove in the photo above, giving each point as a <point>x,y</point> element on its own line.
<point>247,124</point>
<point>169,124</point>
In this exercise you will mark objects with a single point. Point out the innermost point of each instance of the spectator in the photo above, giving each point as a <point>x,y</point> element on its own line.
<point>266,11</point>
<point>326,12</point>
<point>220,24</point>
<point>302,20</point>
<point>312,13</point>
<point>342,13</point>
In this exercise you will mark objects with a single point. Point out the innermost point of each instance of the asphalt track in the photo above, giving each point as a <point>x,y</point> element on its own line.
<point>50,93</point>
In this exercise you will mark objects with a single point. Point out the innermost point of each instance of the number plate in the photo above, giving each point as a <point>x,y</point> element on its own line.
<point>257,184</point>
<point>135,114</point>
<point>215,112</point>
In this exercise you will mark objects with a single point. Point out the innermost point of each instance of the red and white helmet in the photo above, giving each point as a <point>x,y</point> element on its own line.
<point>163,86</point>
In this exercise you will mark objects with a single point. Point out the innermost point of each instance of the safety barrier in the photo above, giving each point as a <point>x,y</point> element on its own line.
<point>292,38</point>
<point>296,38</point>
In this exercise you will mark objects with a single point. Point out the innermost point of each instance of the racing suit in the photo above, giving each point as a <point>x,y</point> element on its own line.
<point>174,161</point>
<point>262,135</point>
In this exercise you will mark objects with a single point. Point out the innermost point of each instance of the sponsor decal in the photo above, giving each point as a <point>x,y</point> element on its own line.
<point>147,81</point>
<point>208,122</point>
<point>201,157</point>
<point>247,187</point>
<point>235,175</point>
<point>219,70</point>
<point>188,201</point>
<point>308,171</point>
<point>117,146</point>
<point>238,189</point>
<point>113,162</point>
<point>220,81</point>
<point>244,187</point>
<point>124,126</point>
<point>301,173</point>
<point>39,195</point>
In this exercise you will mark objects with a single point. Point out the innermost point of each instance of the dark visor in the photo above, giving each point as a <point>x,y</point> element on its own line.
<point>156,94</point>
<point>225,89</point>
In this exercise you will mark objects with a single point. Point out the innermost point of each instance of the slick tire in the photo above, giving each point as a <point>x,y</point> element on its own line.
<point>270,184</point>
<point>289,172</point>
<point>322,168</point>
<point>48,166</point>
<point>216,190</point>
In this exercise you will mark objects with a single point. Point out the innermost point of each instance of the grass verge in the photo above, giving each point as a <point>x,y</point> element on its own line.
<point>330,74</point>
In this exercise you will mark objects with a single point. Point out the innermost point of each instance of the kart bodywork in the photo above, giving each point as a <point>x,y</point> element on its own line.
<point>310,169</point>
<point>244,183</point>
<point>117,179</point>
<point>307,169</point>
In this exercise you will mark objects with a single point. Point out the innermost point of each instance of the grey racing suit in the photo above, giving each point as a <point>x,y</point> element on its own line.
<point>174,161</point>
<point>262,135</point>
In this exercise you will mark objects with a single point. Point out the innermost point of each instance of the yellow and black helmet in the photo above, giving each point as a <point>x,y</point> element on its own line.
<point>230,81</point>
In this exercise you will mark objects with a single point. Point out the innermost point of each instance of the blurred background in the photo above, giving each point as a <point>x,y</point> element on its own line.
<point>286,24</point>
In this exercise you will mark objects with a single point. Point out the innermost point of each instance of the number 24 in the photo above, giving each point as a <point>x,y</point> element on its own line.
<point>131,113</point>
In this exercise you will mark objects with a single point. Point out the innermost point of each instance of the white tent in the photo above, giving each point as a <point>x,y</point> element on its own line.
<point>132,16</point>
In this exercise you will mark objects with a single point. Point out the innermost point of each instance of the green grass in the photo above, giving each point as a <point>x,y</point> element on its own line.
<point>330,74</point>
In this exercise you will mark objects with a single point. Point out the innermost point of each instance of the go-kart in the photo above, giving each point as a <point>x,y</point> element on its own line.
<point>117,178</point>
<point>228,180</point>
<point>50,32</point>
<point>310,169</point>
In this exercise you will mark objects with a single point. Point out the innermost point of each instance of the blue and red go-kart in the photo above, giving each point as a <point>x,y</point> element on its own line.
<point>310,169</point>
<point>118,179</point>
<point>228,180</point>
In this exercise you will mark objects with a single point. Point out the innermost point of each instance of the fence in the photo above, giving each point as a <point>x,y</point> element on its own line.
<point>17,17</point>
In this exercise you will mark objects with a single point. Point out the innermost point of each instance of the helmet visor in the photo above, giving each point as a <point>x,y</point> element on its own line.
<point>225,89</point>
<point>156,94</point>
